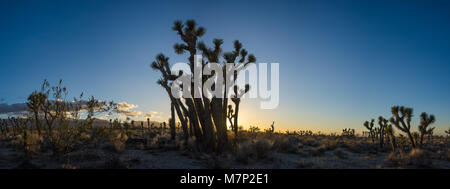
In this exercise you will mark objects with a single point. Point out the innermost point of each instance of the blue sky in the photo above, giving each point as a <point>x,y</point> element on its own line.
<point>341,62</point>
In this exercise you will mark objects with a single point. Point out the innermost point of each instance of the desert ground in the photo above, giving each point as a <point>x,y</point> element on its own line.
<point>138,147</point>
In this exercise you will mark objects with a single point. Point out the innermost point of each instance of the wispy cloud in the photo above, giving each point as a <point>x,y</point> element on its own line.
<point>124,110</point>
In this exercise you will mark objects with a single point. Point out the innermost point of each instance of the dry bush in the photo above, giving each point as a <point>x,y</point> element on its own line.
<point>85,155</point>
<point>341,153</point>
<point>30,144</point>
<point>116,141</point>
<point>359,147</point>
<point>114,162</point>
<point>253,150</point>
<point>189,145</point>
<point>443,155</point>
<point>302,164</point>
<point>416,158</point>
<point>320,150</point>
<point>310,141</point>
<point>286,144</point>
<point>68,166</point>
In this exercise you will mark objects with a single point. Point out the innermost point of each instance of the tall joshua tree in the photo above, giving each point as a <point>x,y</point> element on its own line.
<point>425,121</point>
<point>207,116</point>
<point>400,113</point>
<point>162,64</point>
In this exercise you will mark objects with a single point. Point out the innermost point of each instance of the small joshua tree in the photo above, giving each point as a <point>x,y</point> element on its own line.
<point>272,127</point>
<point>416,136</point>
<point>401,113</point>
<point>425,121</point>
<point>383,123</point>
<point>348,132</point>
<point>447,132</point>
<point>390,133</point>
<point>148,125</point>
<point>369,127</point>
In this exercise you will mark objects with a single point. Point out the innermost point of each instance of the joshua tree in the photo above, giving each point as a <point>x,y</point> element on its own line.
<point>207,116</point>
<point>430,134</point>
<point>348,132</point>
<point>448,132</point>
<point>162,64</point>
<point>416,137</point>
<point>390,133</point>
<point>399,114</point>
<point>230,116</point>
<point>148,125</point>
<point>425,121</point>
<point>369,127</point>
<point>272,126</point>
<point>383,123</point>
<point>34,104</point>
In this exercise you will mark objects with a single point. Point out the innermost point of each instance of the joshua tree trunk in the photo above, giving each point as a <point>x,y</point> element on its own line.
<point>220,127</point>
<point>176,105</point>
<point>193,119</point>
<point>172,122</point>
<point>393,144</point>
<point>411,139</point>
<point>236,113</point>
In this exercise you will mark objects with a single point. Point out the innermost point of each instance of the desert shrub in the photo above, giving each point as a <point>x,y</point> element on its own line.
<point>262,147</point>
<point>68,166</point>
<point>416,157</point>
<point>310,141</point>
<point>341,153</point>
<point>358,147</point>
<point>320,150</point>
<point>189,145</point>
<point>114,162</point>
<point>253,150</point>
<point>419,158</point>
<point>443,155</point>
<point>116,141</point>
<point>161,140</point>
<point>285,144</point>
<point>215,162</point>
<point>302,164</point>
<point>29,143</point>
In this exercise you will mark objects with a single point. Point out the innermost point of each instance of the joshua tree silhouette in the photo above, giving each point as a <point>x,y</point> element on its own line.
<point>399,114</point>
<point>425,121</point>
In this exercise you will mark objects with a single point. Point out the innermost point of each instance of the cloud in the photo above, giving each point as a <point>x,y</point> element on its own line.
<point>21,108</point>
<point>154,115</point>
<point>12,108</point>
<point>104,117</point>
<point>125,110</point>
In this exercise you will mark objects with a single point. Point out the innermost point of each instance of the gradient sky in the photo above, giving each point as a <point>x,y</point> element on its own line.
<point>341,62</point>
